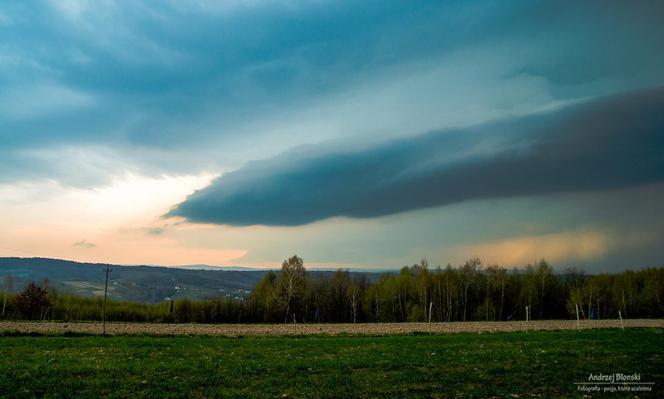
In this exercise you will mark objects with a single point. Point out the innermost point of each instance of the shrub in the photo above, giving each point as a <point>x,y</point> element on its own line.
<point>33,302</point>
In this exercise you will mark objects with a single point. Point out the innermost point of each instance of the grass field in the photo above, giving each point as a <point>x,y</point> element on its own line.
<point>535,364</point>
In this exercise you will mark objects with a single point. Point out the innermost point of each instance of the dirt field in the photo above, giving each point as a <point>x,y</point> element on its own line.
<point>235,330</point>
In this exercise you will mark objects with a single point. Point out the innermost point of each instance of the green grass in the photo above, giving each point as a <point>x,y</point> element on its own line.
<point>534,364</point>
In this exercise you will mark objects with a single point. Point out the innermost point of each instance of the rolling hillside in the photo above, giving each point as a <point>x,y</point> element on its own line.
<point>136,283</point>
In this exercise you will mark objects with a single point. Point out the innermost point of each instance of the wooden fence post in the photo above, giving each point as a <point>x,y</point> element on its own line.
<point>621,320</point>
<point>578,327</point>
<point>430,308</point>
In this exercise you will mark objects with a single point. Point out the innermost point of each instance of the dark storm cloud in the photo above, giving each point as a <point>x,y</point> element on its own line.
<point>612,142</point>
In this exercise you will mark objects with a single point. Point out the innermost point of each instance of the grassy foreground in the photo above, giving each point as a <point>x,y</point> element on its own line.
<point>544,364</point>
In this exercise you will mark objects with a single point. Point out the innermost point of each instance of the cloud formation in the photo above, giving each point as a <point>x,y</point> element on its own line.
<point>155,231</point>
<point>133,87</point>
<point>111,112</point>
<point>606,143</point>
<point>84,244</point>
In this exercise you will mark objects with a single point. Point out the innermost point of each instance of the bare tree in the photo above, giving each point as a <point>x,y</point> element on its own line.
<point>291,283</point>
<point>529,286</point>
<point>502,278</point>
<point>449,272</point>
<point>422,284</point>
<point>468,272</point>
<point>353,295</point>
<point>489,276</point>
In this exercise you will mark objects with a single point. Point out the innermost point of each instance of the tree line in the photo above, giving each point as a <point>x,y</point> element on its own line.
<point>472,291</point>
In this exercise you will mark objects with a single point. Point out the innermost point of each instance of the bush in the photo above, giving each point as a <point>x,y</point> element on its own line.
<point>33,302</point>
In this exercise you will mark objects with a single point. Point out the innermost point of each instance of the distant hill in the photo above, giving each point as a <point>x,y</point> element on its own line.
<point>135,283</point>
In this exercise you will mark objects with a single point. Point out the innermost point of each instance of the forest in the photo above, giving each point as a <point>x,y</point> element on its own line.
<point>472,291</point>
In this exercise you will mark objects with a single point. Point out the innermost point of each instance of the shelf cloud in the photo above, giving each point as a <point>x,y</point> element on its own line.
<point>410,129</point>
<point>605,143</point>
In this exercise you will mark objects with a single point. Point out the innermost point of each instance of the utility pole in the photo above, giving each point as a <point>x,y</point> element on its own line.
<point>103,309</point>
<point>7,287</point>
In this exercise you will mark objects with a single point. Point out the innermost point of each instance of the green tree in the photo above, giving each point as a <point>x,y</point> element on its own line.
<point>496,281</point>
<point>422,284</point>
<point>544,277</point>
<point>529,288</point>
<point>654,288</point>
<point>263,299</point>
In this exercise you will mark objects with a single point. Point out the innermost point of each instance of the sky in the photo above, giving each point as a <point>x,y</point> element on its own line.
<point>364,134</point>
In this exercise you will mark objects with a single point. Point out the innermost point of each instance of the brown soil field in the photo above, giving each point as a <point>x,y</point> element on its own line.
<point>237,330</point>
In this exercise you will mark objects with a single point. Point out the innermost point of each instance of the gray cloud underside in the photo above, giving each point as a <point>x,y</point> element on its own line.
<point>89,91</point>
<point>611,142</point>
